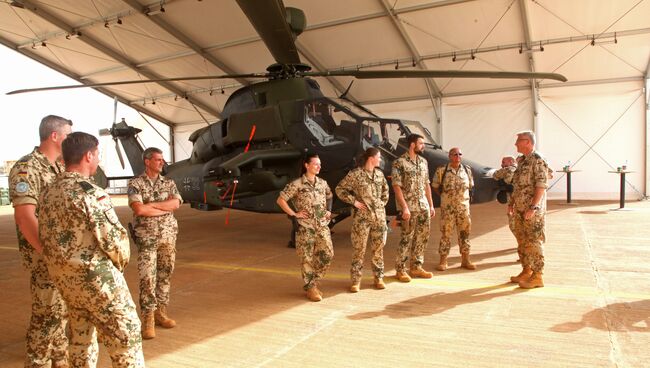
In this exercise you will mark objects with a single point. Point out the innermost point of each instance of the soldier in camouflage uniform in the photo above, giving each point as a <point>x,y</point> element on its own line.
<point>46,338</point>
<point>505,173</point>
<point>86,250</point>
<point>366,189</point>
<point>410,180</point>
<point>312,200</point>
<point>527,205</point>
<point>153,199</point>
<point>453,183</point>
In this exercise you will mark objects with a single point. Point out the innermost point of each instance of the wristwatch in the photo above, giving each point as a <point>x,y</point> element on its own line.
<point>535,207</point>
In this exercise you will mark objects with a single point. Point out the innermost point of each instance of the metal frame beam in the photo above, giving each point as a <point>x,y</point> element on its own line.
<point>89,40</point>
<point>525,21</point>
<point>432,88</point>
<point>160,22</point>
<point>252,39</point>
<point>34,56</point>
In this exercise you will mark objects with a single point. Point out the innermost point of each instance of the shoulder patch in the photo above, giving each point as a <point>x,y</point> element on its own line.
<point>132,190</point>
<point>22,187</point>
<point>86,186</point>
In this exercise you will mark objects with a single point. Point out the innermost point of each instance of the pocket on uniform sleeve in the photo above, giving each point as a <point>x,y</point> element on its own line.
<point>111,216</point>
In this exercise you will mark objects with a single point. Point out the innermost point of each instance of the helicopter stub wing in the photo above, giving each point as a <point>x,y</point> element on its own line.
<point>270,20</point>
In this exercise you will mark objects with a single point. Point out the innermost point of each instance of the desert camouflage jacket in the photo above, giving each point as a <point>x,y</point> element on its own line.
<point>311,198</point>
<point>412,176</point>
<point>531,173</point>
<point>369,188</point>
<point>144,190</point>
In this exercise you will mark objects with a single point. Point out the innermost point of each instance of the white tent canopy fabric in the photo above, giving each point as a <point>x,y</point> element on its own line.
<point>597,120</point>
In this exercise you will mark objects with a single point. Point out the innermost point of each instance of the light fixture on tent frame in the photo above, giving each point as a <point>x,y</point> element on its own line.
<point>601,41</point>
<point>73,34</point>
<point>154,10</point>
<point>38,45</point>
<point>533,48</point>
<point>471,56</point>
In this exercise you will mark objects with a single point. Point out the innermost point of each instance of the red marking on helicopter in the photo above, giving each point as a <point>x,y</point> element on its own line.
<point>232,197</point>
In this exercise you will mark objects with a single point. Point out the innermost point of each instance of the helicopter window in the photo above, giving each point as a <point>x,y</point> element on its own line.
<point>371,133</point>
<point>392,134</point>
<point>321,125</point>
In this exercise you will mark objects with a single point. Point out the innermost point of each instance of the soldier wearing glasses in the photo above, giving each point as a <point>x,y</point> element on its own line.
<point>453,183</point>
<point>527,205</point>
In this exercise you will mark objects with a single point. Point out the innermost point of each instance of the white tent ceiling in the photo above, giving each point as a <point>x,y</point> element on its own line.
<point>120,41</point>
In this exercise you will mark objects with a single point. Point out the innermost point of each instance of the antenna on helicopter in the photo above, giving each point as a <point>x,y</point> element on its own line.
<point>344,95</point>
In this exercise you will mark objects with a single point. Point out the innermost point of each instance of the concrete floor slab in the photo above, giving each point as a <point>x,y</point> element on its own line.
<point>237,297</point>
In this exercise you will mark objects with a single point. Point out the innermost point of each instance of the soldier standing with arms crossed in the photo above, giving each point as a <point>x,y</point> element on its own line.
<point>153,199</point>
<point>453,183</point>
<point>528,207</point>
<point>366,189</point>
<point>410,180</point>
<point>46,338</point>
<point>86,250</point>
<point>312,199</point>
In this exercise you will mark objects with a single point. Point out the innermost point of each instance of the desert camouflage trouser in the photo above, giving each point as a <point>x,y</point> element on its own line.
<point>460,218</point>
<point>414,239</point>
<point>117,325</point>
<point>530,236</point>
<point>46,338</point>
<point>314,248</point>
<point>364,231</point>
<point>156,258</point>
<point>520,247</point>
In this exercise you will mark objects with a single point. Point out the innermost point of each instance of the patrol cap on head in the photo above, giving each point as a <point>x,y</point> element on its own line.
<point>76,146</point>
<point>50,124</point>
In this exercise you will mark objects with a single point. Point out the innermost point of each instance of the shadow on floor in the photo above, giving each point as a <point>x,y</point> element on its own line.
<point>439,302</point>
<point>620,317</point>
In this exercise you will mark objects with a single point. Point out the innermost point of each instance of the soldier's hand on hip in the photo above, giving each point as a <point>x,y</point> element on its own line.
<point>360,205</point>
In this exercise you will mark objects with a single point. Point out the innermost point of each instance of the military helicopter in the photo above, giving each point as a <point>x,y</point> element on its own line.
<point>243,160</point>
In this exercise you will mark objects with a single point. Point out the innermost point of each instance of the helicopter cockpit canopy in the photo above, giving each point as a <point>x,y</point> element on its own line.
<point>336,122</point>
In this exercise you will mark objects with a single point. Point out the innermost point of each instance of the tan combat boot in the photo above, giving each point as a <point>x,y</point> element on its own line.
<point>162,319</point>
<point>523,275</point>
<point>534,281</point>
<point>356,286</point>
<point>465,262</point>
<point>148,326</point>
<point>442,265</point>
<point>402,276</point>
<point>421,273</point>
<point>313,294</point>
<point>379,283</point>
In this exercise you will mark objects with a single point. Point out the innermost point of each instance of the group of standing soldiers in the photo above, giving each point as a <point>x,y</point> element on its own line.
<point>365,188</point>
<point>76,250</point>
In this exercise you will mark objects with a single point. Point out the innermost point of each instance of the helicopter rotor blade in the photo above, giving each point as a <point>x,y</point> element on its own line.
<point>383,74</point>
<point>121,83</point>
<point>114,110</point>
<point>269,18</point>
<point>119,152</point>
